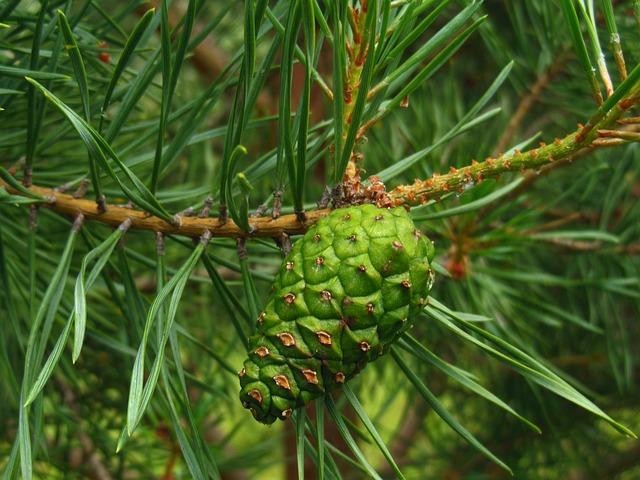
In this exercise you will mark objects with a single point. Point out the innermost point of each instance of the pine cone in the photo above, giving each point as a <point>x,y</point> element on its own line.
<point>346,290</point>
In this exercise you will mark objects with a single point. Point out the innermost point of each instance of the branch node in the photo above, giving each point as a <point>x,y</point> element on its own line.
<point>205,238</point>
<point>81,191</point>
<point>63,188</point>
<point>101,202</point>
<point>187,212</point>
<point>241,245</point>
<point>326,197</point>
<point>284,243</point>
<point>223,216</point>
<point>77,223</point>
<point>301,217</point>
<point>176,220</point>
<point>124,226</point>
<point>27,181</point>
<point>160,250</point>
<point>208,203</point>
<point>277,204</point>
<point>260,211</point>
<point>33,217</point>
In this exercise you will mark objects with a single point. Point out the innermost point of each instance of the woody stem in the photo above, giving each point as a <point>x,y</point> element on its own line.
<point>582,140</point>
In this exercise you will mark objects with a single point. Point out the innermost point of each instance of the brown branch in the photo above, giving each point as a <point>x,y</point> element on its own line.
<point>188,226</point>
<point>266,226</point>
<point>421,191</point>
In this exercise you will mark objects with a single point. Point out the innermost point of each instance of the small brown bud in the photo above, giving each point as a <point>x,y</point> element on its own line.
<point>353,237</point>
<point>365,347</point>
<point>326,295</point>
<point>397,245</point>
<point>316,237</point>
<point>242,373</point>
<point>339,377</point>
<point>289,265</point>
<point>319,261</point>
<point>289,298</point>
<point>261,317</point>
<point>405,283</point>
<point>362,268</point>
<point>370,308</point>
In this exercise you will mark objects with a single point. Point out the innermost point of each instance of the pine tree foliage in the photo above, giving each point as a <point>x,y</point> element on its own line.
<point>158,159</point>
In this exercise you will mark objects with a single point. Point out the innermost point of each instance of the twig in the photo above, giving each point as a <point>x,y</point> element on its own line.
<point>543,158</point>
<point>193,227</point>
<point>561,150</point>
<point>357,54</point>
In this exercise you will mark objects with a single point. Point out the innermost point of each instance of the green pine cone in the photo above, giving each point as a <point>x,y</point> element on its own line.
<point>347,289</point>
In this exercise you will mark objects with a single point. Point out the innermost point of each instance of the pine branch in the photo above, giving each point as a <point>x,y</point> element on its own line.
<point>357,53</point>
<point>583,140</point>
<point>186,226</point>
